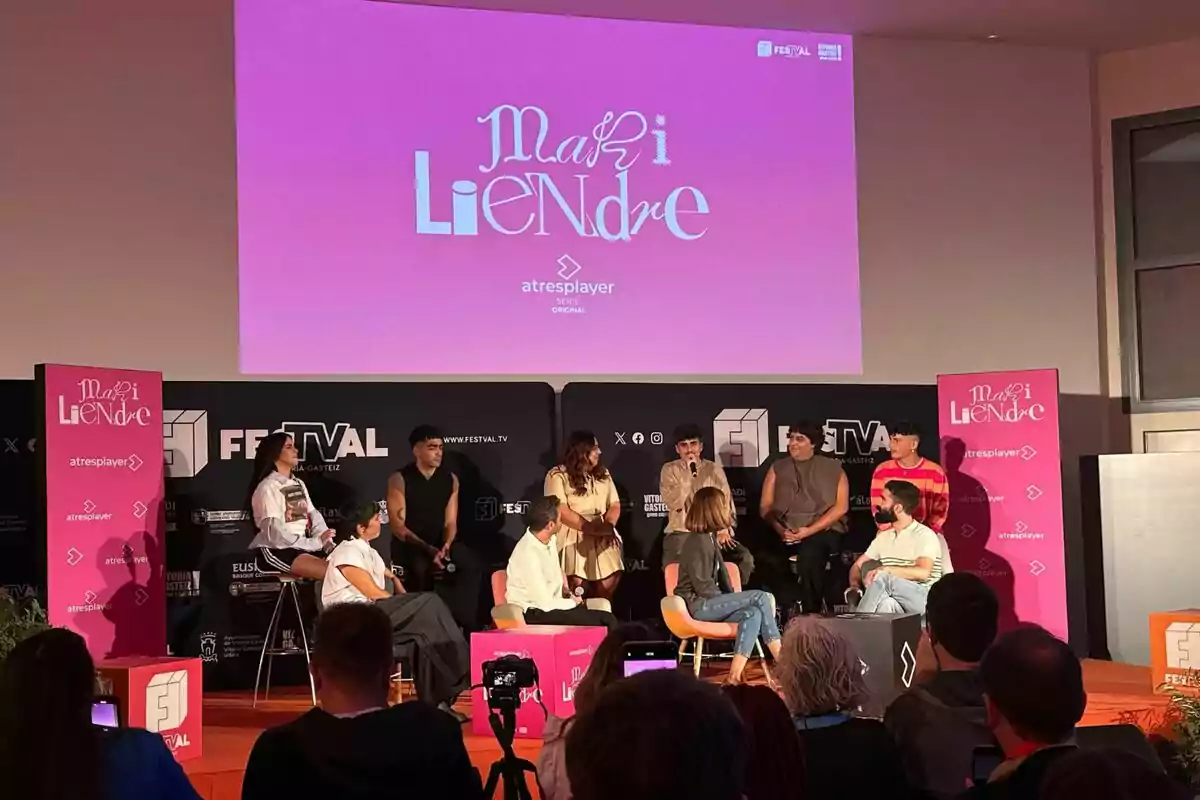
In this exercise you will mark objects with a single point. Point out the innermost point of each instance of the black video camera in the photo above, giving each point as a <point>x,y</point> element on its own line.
<point>504,678</point>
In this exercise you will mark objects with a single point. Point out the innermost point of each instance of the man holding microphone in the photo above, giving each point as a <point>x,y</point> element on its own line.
<point>677,485</point>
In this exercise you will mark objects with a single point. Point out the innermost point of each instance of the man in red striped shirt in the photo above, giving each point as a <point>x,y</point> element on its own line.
<point>906,464</point>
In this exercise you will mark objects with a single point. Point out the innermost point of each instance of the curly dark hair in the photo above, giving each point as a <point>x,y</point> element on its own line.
<point>575,461</point>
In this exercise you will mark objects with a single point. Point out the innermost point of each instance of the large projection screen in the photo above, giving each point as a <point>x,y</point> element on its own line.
<point>430,191</point>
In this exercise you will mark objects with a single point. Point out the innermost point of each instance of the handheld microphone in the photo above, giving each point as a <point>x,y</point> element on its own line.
<point>694,468</point>
<point>578,593</point>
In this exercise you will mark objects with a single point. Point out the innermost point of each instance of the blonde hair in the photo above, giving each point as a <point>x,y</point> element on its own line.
<point>709,512</point>
<point>818,670</point>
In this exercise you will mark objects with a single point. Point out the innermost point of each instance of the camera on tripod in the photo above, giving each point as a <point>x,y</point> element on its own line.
<point>505,677</point>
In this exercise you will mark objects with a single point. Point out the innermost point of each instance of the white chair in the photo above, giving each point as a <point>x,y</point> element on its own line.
<point>287,586</point>
<point>680,622</point>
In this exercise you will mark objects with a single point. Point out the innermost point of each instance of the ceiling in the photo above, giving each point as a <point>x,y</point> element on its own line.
<point>1097,25</point>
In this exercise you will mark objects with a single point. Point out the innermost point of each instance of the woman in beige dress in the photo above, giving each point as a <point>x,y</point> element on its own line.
<point>588,545</point>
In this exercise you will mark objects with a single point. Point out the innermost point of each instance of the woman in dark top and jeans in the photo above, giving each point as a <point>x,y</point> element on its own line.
<point>704,583</point>
<point>847,757</point>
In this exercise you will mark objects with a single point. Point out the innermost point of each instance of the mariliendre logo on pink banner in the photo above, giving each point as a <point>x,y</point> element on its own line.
<point>104,507</point>
<point>1000,447</point>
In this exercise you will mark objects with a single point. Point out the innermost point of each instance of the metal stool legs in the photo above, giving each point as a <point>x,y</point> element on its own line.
<point>269,649</point>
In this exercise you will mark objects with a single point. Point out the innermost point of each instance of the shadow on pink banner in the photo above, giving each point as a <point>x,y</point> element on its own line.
<point>1000,447</point>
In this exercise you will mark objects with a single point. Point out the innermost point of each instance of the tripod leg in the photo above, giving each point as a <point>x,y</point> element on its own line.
<point>494,776</point>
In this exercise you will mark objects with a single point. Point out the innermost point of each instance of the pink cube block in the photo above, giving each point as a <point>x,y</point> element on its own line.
<point>562,654</point>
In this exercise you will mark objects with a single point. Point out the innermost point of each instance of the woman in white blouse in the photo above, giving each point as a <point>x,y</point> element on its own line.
<point>357,574</point>
<point>292,535</point>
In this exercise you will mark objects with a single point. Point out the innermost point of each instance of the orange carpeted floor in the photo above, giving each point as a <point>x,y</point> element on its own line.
<point>1116,693</point>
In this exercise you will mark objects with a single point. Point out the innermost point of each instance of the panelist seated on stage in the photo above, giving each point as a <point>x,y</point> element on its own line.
<point>903,561</point>
<point>357,574</point>
<point>536,581</point>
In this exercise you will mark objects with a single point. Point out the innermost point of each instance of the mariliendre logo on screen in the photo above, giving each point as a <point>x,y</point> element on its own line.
<point>613,144</point>
<point>1013,403</point>
<point>589,193</point>
<point>97,404</point>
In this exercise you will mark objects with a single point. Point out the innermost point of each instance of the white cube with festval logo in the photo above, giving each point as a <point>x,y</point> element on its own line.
<point>162,695</point>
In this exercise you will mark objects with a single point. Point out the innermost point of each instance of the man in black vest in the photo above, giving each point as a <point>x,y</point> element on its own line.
<point>422,504</point>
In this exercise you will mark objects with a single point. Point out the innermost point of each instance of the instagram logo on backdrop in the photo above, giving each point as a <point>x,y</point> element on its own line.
<point>530,200</point>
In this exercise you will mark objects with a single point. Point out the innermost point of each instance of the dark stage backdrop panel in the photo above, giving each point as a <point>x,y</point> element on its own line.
<point>352,436</point>
<point>18,488</point>
<point>748,424</point>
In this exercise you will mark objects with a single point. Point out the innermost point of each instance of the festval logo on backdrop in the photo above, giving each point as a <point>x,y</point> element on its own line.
<point>101,442</point>
<point>618,180</point>
<point>1001,449</point>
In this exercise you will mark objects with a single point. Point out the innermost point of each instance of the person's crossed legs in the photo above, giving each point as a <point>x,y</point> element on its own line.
<point>890,594</point>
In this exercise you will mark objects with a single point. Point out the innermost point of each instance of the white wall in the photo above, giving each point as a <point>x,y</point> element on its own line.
<point>118,236</point>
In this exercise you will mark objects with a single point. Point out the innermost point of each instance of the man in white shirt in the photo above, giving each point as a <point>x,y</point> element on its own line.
<point>536,581</point>
<point>904,560</point>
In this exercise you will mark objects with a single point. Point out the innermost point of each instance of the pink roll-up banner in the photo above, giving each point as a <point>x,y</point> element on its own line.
<point>101,444</point>
<point>1000,447</point>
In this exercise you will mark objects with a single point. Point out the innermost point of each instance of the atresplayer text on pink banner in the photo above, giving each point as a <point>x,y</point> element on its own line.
<point>1000,447</point>
<point>105,550</point>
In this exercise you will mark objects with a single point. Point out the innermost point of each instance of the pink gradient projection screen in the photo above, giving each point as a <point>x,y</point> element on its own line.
<point>426,190</point>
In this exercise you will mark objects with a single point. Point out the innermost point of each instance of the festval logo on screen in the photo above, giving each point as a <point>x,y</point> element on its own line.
<point>576,187</point>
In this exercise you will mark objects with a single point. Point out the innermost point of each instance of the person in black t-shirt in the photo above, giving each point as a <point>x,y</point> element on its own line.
<point>354,747</point>
<point>422,507</point>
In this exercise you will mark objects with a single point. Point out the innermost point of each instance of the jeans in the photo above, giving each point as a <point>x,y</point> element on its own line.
<point>889,594</point>
<point>752,612</point>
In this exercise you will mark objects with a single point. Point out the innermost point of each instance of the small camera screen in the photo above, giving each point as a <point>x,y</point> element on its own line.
<point>634,667</point>
<point>104,713</point>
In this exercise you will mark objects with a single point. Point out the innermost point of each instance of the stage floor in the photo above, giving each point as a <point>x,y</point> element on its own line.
<point>1116,693</point>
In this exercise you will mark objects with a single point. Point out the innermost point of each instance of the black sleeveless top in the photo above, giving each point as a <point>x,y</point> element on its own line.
<point>425,502</point>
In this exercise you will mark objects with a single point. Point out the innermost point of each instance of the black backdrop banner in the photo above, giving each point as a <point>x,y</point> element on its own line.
<point>748,425</point>
<point>18,495</point>
<point>352,436</point>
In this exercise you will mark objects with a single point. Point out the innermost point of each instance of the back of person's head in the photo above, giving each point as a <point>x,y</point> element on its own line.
<point>775,769</point>
<point>541,513</point>
<point>660,733</point>
<point>608,663</point>
<point>356,515</point>
<point>962,613</point>
<point>48,745</point>
<point>1035,682</point>
<point>352,651</point>
<point>818,669</point>
<point>1108,775</point>
<point>709,511</point>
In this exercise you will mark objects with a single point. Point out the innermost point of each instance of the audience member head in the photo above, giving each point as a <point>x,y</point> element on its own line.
<point>352,658</point>
<point>1108,775</point>
<point>1033,687</point>
<point>689,441</point>
<point>805,438</point>
<point>48,745</point>
<point>582,459</point>
<point>818,669</point>
<point>905,439</point>
<point>660,733</point>
<point>775,769</point>
<point>608,663</point>
<point>961,615</point>
<point>541,518</point>
<point>360,521</point>
<point>428,447</point>
<point>709,512</point>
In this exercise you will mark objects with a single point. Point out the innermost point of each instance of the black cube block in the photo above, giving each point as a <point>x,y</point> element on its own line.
<point>886,645</point>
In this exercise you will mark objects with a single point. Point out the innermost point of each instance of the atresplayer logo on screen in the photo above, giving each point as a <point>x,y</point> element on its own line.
<point>1013,403</point>
<point>98,404</point>
<point>615,141</point>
